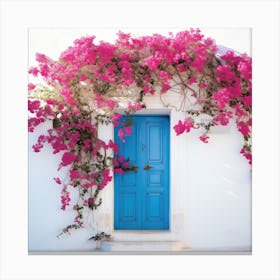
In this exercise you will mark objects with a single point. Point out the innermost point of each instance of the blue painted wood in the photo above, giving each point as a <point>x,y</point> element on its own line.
<point>141,200</point>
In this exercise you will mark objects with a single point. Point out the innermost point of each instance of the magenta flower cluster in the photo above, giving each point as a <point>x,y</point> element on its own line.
<point>88,78</point>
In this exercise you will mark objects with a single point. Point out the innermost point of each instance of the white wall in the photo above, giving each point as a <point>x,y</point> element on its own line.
<point>218,192</point>
<point>210,195</point>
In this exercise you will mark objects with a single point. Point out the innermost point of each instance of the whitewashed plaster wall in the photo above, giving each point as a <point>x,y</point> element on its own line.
<point>210,194</point>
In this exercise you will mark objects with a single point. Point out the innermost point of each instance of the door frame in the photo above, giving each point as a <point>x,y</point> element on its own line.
<point>178,187</point>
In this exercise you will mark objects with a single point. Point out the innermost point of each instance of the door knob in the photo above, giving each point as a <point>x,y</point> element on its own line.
<point>147,167</point>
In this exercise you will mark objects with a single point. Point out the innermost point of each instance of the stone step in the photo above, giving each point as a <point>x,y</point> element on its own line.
<point>142,246</point>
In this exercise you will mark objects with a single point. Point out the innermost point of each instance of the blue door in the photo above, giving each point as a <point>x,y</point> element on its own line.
<point>141,199</point>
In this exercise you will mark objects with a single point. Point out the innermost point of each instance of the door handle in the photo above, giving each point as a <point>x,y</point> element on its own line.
<point>147,167</point>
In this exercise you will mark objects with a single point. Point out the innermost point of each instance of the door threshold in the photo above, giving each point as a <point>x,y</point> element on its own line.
<point>144,235</point>
<point>145,246</point>
<point>139,231</point>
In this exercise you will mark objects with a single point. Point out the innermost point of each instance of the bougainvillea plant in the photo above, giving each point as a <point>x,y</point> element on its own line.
<point>90,82</point>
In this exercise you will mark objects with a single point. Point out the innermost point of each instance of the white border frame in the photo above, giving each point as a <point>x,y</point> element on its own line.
<point>17,16</point>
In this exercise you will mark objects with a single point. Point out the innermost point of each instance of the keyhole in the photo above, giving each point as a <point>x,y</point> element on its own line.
<point>143,147</point>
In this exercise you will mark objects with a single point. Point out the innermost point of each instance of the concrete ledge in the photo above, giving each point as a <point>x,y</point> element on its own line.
<point>144,246</point>
<point>148,248</point>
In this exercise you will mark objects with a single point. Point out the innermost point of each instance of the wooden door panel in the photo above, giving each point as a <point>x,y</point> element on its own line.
<point>142,199</point>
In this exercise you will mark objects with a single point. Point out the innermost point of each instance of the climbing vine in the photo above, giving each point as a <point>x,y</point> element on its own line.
<point>90,82</point>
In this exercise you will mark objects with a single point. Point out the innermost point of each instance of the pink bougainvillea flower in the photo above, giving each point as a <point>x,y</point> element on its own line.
<point>198,63</point>
<point>204,138</point>
<point>65,198</point>
<point>247,155</point>
<point>146,88</point>
<point>34,71</point>
<point>188,124</point>
<point>88,185</point>
<point>124,132</point>
<point>106,178</point>
<point>185,126</point>
<point>222,98</point>
<point>134,107</point>
<point>33,105</point>
<point>68,95</point>
<point>224,73</point>
<point>179,128</point>
<point>68,158</point>
<point>121,166</point>
<point>126,164</point>
<point>115,118</point>
<point>119,171</point>
<point>243,128</point>
<point>191,80</point>
<point>37,148</point>
<point>31,86</point>
<point>87,144</point>
<point>91,200</point>
<point>57,180</point>
<point>202,85</point>
<point>51,102</point>
<point>128,130</point>
<point>74,174</point>
<point>245,68</point>
<point>222,118</point>
<point>33,122</point>
<point>111,104</point>
<point>249,122</point>
<point>41,58</point>
<point>113,146</point>
<point>76,111</point>
<point>152,62</point>
<point>121,159</point>
<point>60,107</point>
<point>121,134</point>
